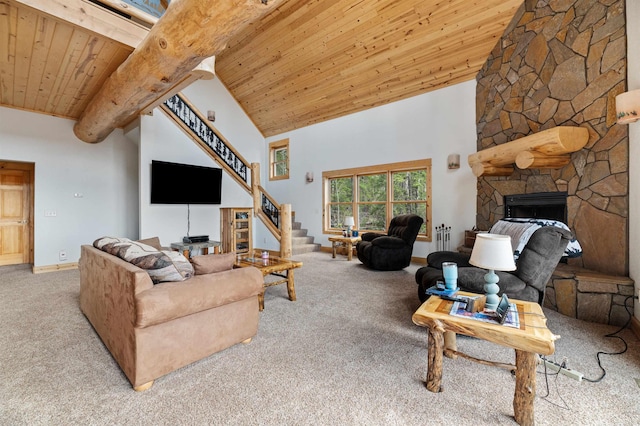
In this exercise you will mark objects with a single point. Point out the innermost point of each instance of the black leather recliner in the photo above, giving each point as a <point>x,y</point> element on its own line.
<point>534,267</point>
<point>391,251</point>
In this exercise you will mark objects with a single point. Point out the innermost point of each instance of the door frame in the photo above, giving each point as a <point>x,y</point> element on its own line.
<point>30,169</point>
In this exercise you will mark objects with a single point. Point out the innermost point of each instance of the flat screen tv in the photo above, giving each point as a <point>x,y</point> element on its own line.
<point>174,183</point>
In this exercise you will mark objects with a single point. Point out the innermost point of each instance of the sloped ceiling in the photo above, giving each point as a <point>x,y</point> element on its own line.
<point>307,62</point>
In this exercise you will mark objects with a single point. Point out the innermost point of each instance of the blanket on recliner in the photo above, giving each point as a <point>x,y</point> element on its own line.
<point>521,229</point>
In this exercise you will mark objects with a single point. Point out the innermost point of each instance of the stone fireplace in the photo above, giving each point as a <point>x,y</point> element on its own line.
<point>561,63</point>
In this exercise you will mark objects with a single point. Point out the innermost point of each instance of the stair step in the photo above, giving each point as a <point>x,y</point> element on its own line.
<point>299,233</point>
<point>298,241</point>
<point>305,248</point>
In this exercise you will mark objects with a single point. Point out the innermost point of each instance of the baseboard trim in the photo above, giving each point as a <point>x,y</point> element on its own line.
<point>419,260</point>
<point>55,268</point>
<point>635,326</point>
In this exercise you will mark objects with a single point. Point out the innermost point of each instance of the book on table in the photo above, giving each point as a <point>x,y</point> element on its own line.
<point>511,320</point>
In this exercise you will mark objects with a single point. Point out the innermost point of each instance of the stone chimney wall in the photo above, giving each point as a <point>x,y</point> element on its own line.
<point>562,63</point>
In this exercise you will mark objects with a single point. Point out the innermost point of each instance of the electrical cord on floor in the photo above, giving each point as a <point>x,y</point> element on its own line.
<point>546,380</point>
<point>604,372</point>
<point>565,406</point>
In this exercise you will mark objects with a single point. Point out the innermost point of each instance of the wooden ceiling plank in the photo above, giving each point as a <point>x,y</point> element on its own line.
<point>45,31</point>
<point>8,32</point>
<point>77,92</point>
<point>337,65</point>
<point>308,40</point>
<point>53,66</point>
<point>446,35</point>
<point>373,75</point>
<point>69,60</point>
<point>118,54</point>
<point>25,36</point>
<point>345,26</point>
<point>349,90</point>
<point>91,17</point>
<point>375,98</point>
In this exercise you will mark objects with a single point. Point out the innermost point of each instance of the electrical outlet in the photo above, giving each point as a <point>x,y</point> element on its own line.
<point>62,255</point>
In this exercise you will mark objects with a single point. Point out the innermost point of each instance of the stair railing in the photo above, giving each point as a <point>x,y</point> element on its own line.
<point>276,217</point>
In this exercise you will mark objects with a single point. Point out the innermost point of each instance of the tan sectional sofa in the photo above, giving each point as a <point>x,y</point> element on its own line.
<point>152,330</point>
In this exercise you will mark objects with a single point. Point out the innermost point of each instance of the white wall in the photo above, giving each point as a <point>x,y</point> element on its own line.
<point>432,125</point>
<point>633,81</point>
<point>161,139</point>
<point>104,173</point>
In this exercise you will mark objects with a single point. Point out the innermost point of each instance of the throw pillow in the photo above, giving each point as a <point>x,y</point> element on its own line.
<point>212,263</point>
<point>153,242</point>
<point>160,265</point>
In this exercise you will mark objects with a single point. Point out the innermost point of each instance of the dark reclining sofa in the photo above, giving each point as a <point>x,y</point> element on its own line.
<point>534,267</point>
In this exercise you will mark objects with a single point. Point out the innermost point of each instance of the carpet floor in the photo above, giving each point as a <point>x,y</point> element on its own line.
<point>345,353</point>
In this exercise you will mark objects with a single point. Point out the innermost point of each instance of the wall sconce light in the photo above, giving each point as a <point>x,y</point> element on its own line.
<point>628,107</point>
<point>211,115</point>
<point>309,177</point>
<point>453,161</point>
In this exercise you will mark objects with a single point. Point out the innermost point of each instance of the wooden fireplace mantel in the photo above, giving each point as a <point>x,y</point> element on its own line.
<point>543,150</point>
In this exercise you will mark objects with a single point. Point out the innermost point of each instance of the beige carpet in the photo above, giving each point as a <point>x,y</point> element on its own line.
<point>346,353</point>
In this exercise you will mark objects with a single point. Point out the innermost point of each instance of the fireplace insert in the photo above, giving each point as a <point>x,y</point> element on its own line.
<point>539,205</point>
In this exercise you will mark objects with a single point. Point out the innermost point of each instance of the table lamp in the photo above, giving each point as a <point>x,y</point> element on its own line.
<point>492,252</point>
<point>349,222</point>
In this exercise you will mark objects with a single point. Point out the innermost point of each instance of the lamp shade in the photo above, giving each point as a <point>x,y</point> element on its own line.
<point>628,107</point>
<point>348,221</point>
<point>493,251</point>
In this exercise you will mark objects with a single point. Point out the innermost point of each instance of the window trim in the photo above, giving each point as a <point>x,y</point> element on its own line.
<point>273,147</point>
<point>389,168</point>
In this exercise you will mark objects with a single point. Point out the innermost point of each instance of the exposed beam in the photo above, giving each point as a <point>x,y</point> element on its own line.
<point>188,32</point>
<point>204,71</point>
<point>93,18</point>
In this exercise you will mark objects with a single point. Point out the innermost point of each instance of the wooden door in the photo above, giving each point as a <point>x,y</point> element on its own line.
<point>15,213</point>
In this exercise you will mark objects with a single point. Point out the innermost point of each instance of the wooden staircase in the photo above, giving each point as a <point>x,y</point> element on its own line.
<point>300,241</point>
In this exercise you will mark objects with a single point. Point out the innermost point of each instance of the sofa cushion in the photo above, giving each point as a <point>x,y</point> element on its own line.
<point>160,265</point>
<point>167,301</point>
<point>212,263</point>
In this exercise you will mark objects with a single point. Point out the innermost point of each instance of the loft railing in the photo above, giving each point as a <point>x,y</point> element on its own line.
<point>276,217</point>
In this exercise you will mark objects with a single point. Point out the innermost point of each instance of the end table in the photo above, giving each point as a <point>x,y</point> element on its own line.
<point>346,241</point>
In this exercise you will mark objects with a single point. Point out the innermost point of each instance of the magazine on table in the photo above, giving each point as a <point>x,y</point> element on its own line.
<point>512,320</point>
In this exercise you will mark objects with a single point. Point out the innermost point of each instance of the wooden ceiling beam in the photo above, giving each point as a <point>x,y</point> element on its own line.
<point>188,32</point>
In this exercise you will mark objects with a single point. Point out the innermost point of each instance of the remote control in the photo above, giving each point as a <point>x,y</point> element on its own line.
<point>453,298</point>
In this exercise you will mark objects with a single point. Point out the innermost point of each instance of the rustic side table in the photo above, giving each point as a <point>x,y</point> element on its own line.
<point>533,337</point>
<point>348,242</point>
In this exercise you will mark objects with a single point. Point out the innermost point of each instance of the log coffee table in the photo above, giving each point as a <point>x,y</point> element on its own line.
<point>533,337</point>
<point>272,265</point>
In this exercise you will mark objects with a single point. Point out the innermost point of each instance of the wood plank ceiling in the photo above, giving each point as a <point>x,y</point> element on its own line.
<point>308,61</point>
